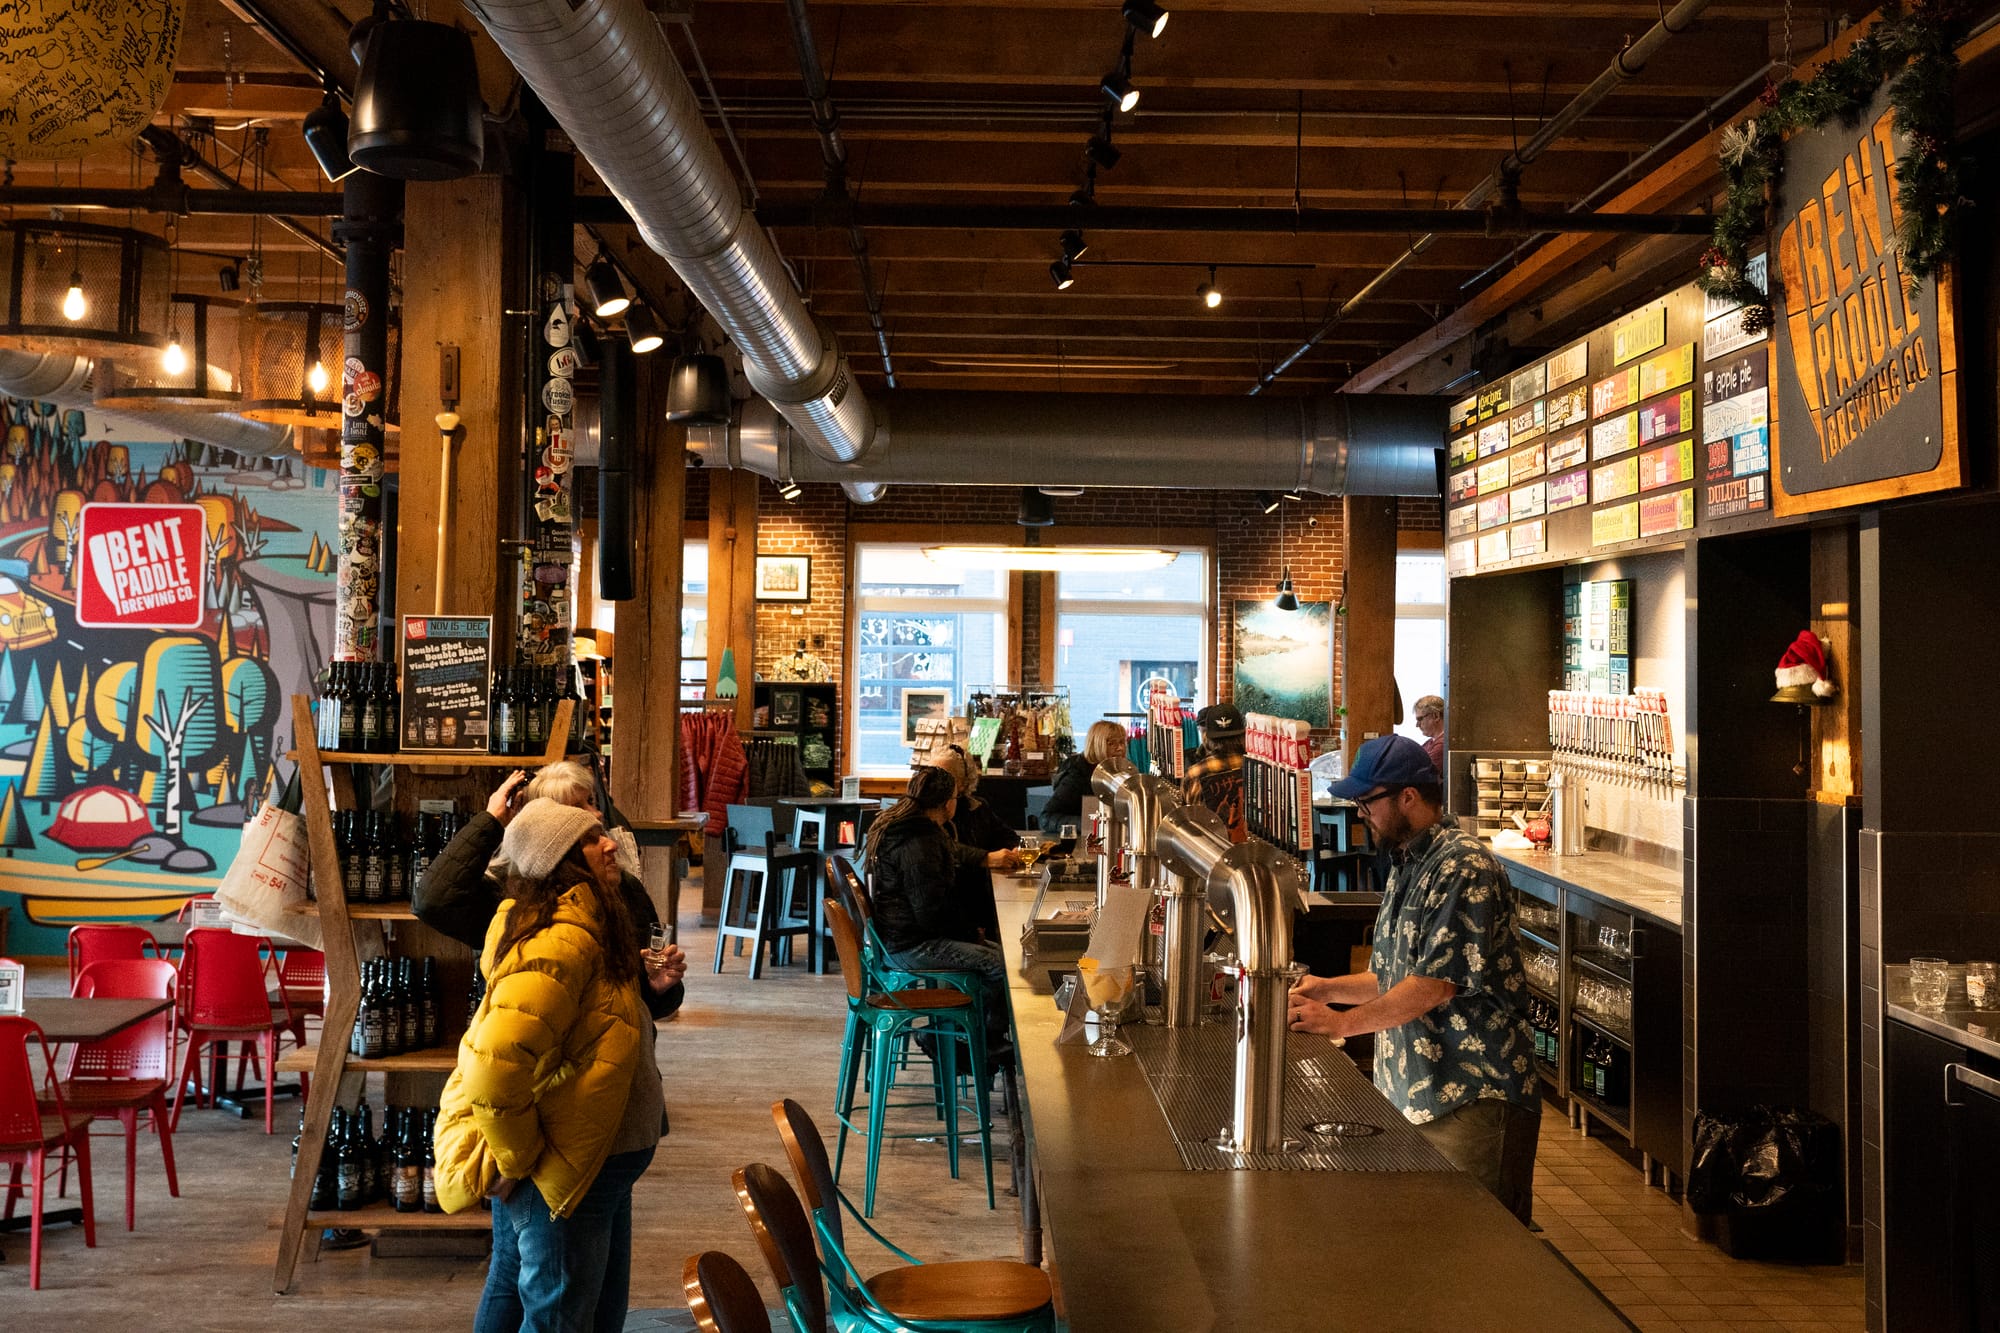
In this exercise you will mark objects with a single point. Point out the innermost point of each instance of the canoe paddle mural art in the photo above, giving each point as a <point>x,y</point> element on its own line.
<point>131,756</point>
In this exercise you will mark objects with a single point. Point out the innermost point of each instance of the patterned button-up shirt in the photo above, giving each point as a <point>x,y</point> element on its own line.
<point>1448,913</point>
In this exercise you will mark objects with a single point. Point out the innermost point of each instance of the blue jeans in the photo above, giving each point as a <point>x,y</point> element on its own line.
<point>984,959</point>
<point>563,1275</point>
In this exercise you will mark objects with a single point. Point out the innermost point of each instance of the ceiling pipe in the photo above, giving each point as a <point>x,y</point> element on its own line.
<point>826,121</point>
<point>70,381</point>
<point>1343,444</point>
<point>175,153</point>
<point>1624,67</point>
<point>606,74</point>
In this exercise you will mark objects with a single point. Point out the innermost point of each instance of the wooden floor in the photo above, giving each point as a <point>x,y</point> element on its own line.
<point>204,1261</point>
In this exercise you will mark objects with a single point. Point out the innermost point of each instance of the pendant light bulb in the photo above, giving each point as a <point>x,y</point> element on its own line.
<point>74,306</point>
<point>316,378</point>
<point>607,292</point>
<point>1118,88</point>
<point>1210,294</point>
<point>174,360</point>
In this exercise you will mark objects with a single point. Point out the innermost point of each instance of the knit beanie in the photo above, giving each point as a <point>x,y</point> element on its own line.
<point>541,834</point>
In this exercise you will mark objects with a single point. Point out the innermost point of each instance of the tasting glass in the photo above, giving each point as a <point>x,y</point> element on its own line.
<point>658,939</point>
<point>1982,985</point>
<point>1930,982</point>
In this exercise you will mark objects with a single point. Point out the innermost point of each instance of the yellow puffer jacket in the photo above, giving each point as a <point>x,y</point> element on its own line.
<point>545,1068</point>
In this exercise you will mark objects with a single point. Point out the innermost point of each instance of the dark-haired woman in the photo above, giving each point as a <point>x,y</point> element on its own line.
<point>925,911</point>
<point>554,1108</point>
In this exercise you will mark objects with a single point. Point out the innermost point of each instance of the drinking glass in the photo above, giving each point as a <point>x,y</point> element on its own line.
<point>1982,986</point>
<point>1930,982</point>
<point>658,940</point>
<point>1110,990</point>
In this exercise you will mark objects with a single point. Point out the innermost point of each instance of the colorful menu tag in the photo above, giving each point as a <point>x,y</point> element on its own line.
<point>1608,395</point>
<point>1735,377</point>
<point>1669,416</point>
<point>1619,523</point>
<point>1492,512</point>
<point>1462,521</point>
<point>1464,412</point>
<point>1464,485</point>
<point>1615,481</point>
<point>1528,539</point>
<point>1569,407</point>
<point>1464,449</point>
<point>1493,400</point>
<point>1493,548</point>
<point>1567,452</point>
<point>1744,412</point>
<point>1525,464</point>
<point>1614,436</point>
<point>1528,501</point>
<point>1661,514</point>
<point>1569,491</point>
<point>1668,465</point>
<point>1639,333</point>
<point>1530,383</point>
<point>1668,370</point>
<point>1493,439</point>
<point>1569,365</point>
<point>1527,423</point>
<point>1744,495</point>
<point>1493,476</point>
<point>1461,557</point>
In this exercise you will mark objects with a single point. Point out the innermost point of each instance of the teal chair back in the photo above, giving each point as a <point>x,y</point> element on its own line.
<point>785,1238</point>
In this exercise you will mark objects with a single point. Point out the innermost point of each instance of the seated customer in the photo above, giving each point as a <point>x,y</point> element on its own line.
<point>925,908</point>
<point>1072,780</point>
<point>975,824</point>
<point>1215,775</point>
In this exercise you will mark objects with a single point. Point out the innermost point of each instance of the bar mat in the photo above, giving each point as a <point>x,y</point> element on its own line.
<point>1191,1071</point>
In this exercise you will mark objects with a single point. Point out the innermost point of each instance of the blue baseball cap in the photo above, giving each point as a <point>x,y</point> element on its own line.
<point>1387,761</point>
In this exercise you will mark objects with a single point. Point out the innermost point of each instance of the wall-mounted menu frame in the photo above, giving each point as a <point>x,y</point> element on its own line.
<point>447,682</point>
<point>1597,636</point>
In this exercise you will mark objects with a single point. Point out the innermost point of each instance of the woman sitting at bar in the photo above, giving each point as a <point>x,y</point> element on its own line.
<point>975,824</point>
<point>1072,781</point>
<point>930,892</point>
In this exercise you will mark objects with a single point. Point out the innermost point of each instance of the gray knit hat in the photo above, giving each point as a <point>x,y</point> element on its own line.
<point>541,834</point>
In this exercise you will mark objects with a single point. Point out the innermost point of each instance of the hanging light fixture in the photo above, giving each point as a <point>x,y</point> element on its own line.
<point>1073,245</point>
<point>175,359</point>
<point>1117,86</point>
<point>417,113</point>
<point>74,305</point>
<point>83,289</point>
<point>207,377</point>
<point>698,391</point>
<point>286,349</point>
<point>789,489</point>
<point>1286,599</point>
<point>643,330</point>
<point>326,138</point>
<point>1145,16</point>
<point>1210,294</point>
<point>1101,152</point>
<point>1061,274</point>
<point>607,292</point>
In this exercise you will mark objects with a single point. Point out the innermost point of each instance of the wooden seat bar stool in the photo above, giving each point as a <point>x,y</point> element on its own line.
<point>721,1296</point>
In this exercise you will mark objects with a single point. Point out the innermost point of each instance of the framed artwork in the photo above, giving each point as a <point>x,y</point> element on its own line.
<point>785,709</point>
<point>1284,660</point>
<point>923,705</point>
<point>784,578</point>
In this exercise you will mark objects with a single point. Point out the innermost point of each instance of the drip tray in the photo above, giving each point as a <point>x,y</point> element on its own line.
<point>1341,1122</point>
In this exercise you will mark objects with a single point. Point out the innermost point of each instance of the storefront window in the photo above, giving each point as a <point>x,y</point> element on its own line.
<point>694,620</point>
<point>1115,632</point>
<point>919,625</point>
<point>1419,632</point>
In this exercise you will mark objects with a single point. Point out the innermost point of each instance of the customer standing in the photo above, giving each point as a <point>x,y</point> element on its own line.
<point>1072,780</point>
<point>1215,776</point>
<point>1429,717</point>
<point>554,1108</point>
<point>923,895</point>
<point>1445,990</point>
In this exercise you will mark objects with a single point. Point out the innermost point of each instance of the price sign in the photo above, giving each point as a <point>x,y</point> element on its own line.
<point>447,681</point>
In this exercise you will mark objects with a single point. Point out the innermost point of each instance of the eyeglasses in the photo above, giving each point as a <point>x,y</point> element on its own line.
<point>1365,801</point>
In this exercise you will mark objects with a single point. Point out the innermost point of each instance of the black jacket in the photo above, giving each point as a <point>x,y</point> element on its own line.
<point>1071,785</point>
<point>457,897</point>
<point>975,825</point>
<point>915,886</point>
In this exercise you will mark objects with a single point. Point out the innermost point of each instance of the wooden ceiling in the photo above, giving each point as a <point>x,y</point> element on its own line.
<point>988,103</point>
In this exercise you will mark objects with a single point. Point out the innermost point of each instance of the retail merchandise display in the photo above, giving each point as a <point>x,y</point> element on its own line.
<point>357,1168</point>
<point>1167,724</point>
<point>1277,781</point>
<point>380,862</point>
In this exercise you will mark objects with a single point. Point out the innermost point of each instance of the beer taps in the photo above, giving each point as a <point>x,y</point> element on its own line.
<point>1623,739</point>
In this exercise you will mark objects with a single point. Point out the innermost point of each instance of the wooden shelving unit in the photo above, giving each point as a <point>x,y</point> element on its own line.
<point>337,1076</point>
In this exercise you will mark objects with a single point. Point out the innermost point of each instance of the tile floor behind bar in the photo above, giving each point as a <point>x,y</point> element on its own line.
<point>736,1047</point>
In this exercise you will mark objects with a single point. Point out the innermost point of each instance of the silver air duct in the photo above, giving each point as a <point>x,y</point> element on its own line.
<point>69,381</point>
<point>1343,444</point>
<point>605,73</point>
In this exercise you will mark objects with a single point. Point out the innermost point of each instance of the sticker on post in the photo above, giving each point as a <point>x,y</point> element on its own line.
<point>558,396</point>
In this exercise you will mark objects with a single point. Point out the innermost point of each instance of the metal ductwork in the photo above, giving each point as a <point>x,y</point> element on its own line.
<point>69,381</point>
<point>1342,444</point>
<point>606,74</point>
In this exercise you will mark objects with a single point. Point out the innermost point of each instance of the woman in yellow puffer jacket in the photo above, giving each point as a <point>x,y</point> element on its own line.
<point>554,1108</point>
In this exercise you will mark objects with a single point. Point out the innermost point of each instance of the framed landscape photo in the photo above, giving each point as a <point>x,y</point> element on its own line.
<point>923,705</point>
<point>784,578</point>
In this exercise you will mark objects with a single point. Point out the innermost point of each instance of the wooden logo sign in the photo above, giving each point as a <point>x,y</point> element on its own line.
<point>1867,385</point>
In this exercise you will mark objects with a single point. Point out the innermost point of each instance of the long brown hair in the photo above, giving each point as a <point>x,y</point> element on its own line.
<point>535,910</point>
<point>929,788</point>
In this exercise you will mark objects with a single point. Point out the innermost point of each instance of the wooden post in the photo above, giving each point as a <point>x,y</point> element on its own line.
<point>1836,593</point>
<point>732,623</point>
<point>1367,686</point>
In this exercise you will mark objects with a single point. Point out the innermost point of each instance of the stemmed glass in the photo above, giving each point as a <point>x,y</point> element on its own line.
<point>1111,993</point>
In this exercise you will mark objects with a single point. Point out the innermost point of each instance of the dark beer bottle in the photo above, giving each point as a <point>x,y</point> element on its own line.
<point>429,1132</point>
<point>326,1181</point>
<point>349,1173</point>
<point>395,861</point>
<point>407,1164</point>
<point>412,1006</point>
<point>428,1033</point>
<point>347,710</point>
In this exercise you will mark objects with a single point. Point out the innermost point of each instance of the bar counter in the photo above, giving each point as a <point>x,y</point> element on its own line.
<point>1974,1029</point>
<point>1135,1241</point>
<point>1641,887</point>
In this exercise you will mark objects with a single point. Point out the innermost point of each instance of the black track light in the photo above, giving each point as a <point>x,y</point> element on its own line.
<point>1145,16</point>
<point>1061,274</point>
<point>1269,501</point>
<point>790,489</point>
<point>1117,87</point>
<point>643,330</point>
<point>326,138</point>
<point>1210,294</point>
<point>229,277</point>
<point>417,111</point>
<point>1286,600</point>
<point>1073,245</point>
<point>1084,196</point>
<point>607,292</point>
<point>1101,153</point>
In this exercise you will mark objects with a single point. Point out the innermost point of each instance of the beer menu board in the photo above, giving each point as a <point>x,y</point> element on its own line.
<point>1597,636</point>
<point>447,681</point>
<point>1630,436</point>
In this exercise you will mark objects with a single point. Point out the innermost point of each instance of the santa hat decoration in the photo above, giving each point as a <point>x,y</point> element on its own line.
<point>1803,667</point>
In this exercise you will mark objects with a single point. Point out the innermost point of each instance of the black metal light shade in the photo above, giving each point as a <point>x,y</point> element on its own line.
<point>1102,153</point>
<point>698,391</point>
<point>326,139</point>
<point>1117,87</point>
<point>1145,16</point>
<point>1061,275</point>
<point>1286,600</point>
<point>607,292</point>
<point>643,330</point>
<point>1037,510</point>
<point>417,113</point>
<point>1073,245</point>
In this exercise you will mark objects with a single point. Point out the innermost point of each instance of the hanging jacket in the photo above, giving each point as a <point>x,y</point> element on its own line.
<point>915,873</point>
<point>546,1066</point>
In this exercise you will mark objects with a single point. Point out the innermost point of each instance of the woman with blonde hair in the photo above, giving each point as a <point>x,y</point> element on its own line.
<point>1072,781</point>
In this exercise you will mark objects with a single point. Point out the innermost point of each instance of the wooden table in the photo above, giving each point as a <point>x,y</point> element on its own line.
<point>667,834</point>
<point>63,1019</point>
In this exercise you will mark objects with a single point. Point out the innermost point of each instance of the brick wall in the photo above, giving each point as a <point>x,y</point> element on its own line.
<point>1419,513</point>
<point>1248,564</point>
<point>813,525</point>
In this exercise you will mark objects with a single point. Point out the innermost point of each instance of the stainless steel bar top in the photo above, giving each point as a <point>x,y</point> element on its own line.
<point>1138,1244</point>
<point>1620,881</point>
<point>1975,1029</point>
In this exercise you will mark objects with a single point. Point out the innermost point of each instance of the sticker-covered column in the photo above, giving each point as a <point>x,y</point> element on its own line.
<point>370,229</point>
<point>542,633</point>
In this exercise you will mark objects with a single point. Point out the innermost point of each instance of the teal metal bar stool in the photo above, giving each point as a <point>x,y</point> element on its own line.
<point>876,1019</point>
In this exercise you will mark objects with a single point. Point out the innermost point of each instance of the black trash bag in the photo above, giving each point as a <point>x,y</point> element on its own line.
<point>1773,1174</point>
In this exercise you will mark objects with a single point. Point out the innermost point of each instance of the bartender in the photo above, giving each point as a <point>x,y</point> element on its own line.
<point>1445,992</point>
<point>1215,774</point>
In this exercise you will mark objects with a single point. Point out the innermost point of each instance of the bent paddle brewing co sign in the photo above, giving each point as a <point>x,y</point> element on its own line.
<point>141,566</point>
<point>1866,371</point>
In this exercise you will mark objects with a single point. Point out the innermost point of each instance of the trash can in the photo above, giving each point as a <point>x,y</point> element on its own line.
<point>1771,1177</point>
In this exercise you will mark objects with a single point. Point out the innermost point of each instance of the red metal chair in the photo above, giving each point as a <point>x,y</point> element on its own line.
<point>28,1134</point>
<point>302,976</point>
<point>127,1074</point>
<point>104,943</point>
<point>224,997</point>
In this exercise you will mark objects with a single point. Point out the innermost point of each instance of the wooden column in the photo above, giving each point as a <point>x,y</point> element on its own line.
<point>1836,727</point>
<point>1367,686</point>
<point>732,622</point>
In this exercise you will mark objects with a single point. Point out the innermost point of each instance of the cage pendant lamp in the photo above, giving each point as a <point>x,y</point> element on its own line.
<point>83,289</point>
<point>208,381</point>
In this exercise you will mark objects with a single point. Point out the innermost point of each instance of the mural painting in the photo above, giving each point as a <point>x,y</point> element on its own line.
<point>130,758</point>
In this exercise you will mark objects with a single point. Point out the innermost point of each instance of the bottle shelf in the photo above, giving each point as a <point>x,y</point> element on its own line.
<point>1601,1028</point>
<point>381,1216</point>
<point>435,1060</point>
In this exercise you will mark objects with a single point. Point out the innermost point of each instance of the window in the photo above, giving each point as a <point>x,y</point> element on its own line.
<point>694,619</point>
<point>917,623</point>
<point>1117,631</point>
<point>1419,632</point>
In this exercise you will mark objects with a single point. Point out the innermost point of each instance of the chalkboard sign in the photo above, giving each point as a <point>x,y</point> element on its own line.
<point>447,680</point>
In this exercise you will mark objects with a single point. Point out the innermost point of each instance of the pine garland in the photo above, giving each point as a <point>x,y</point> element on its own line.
<point>1919,47</point>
